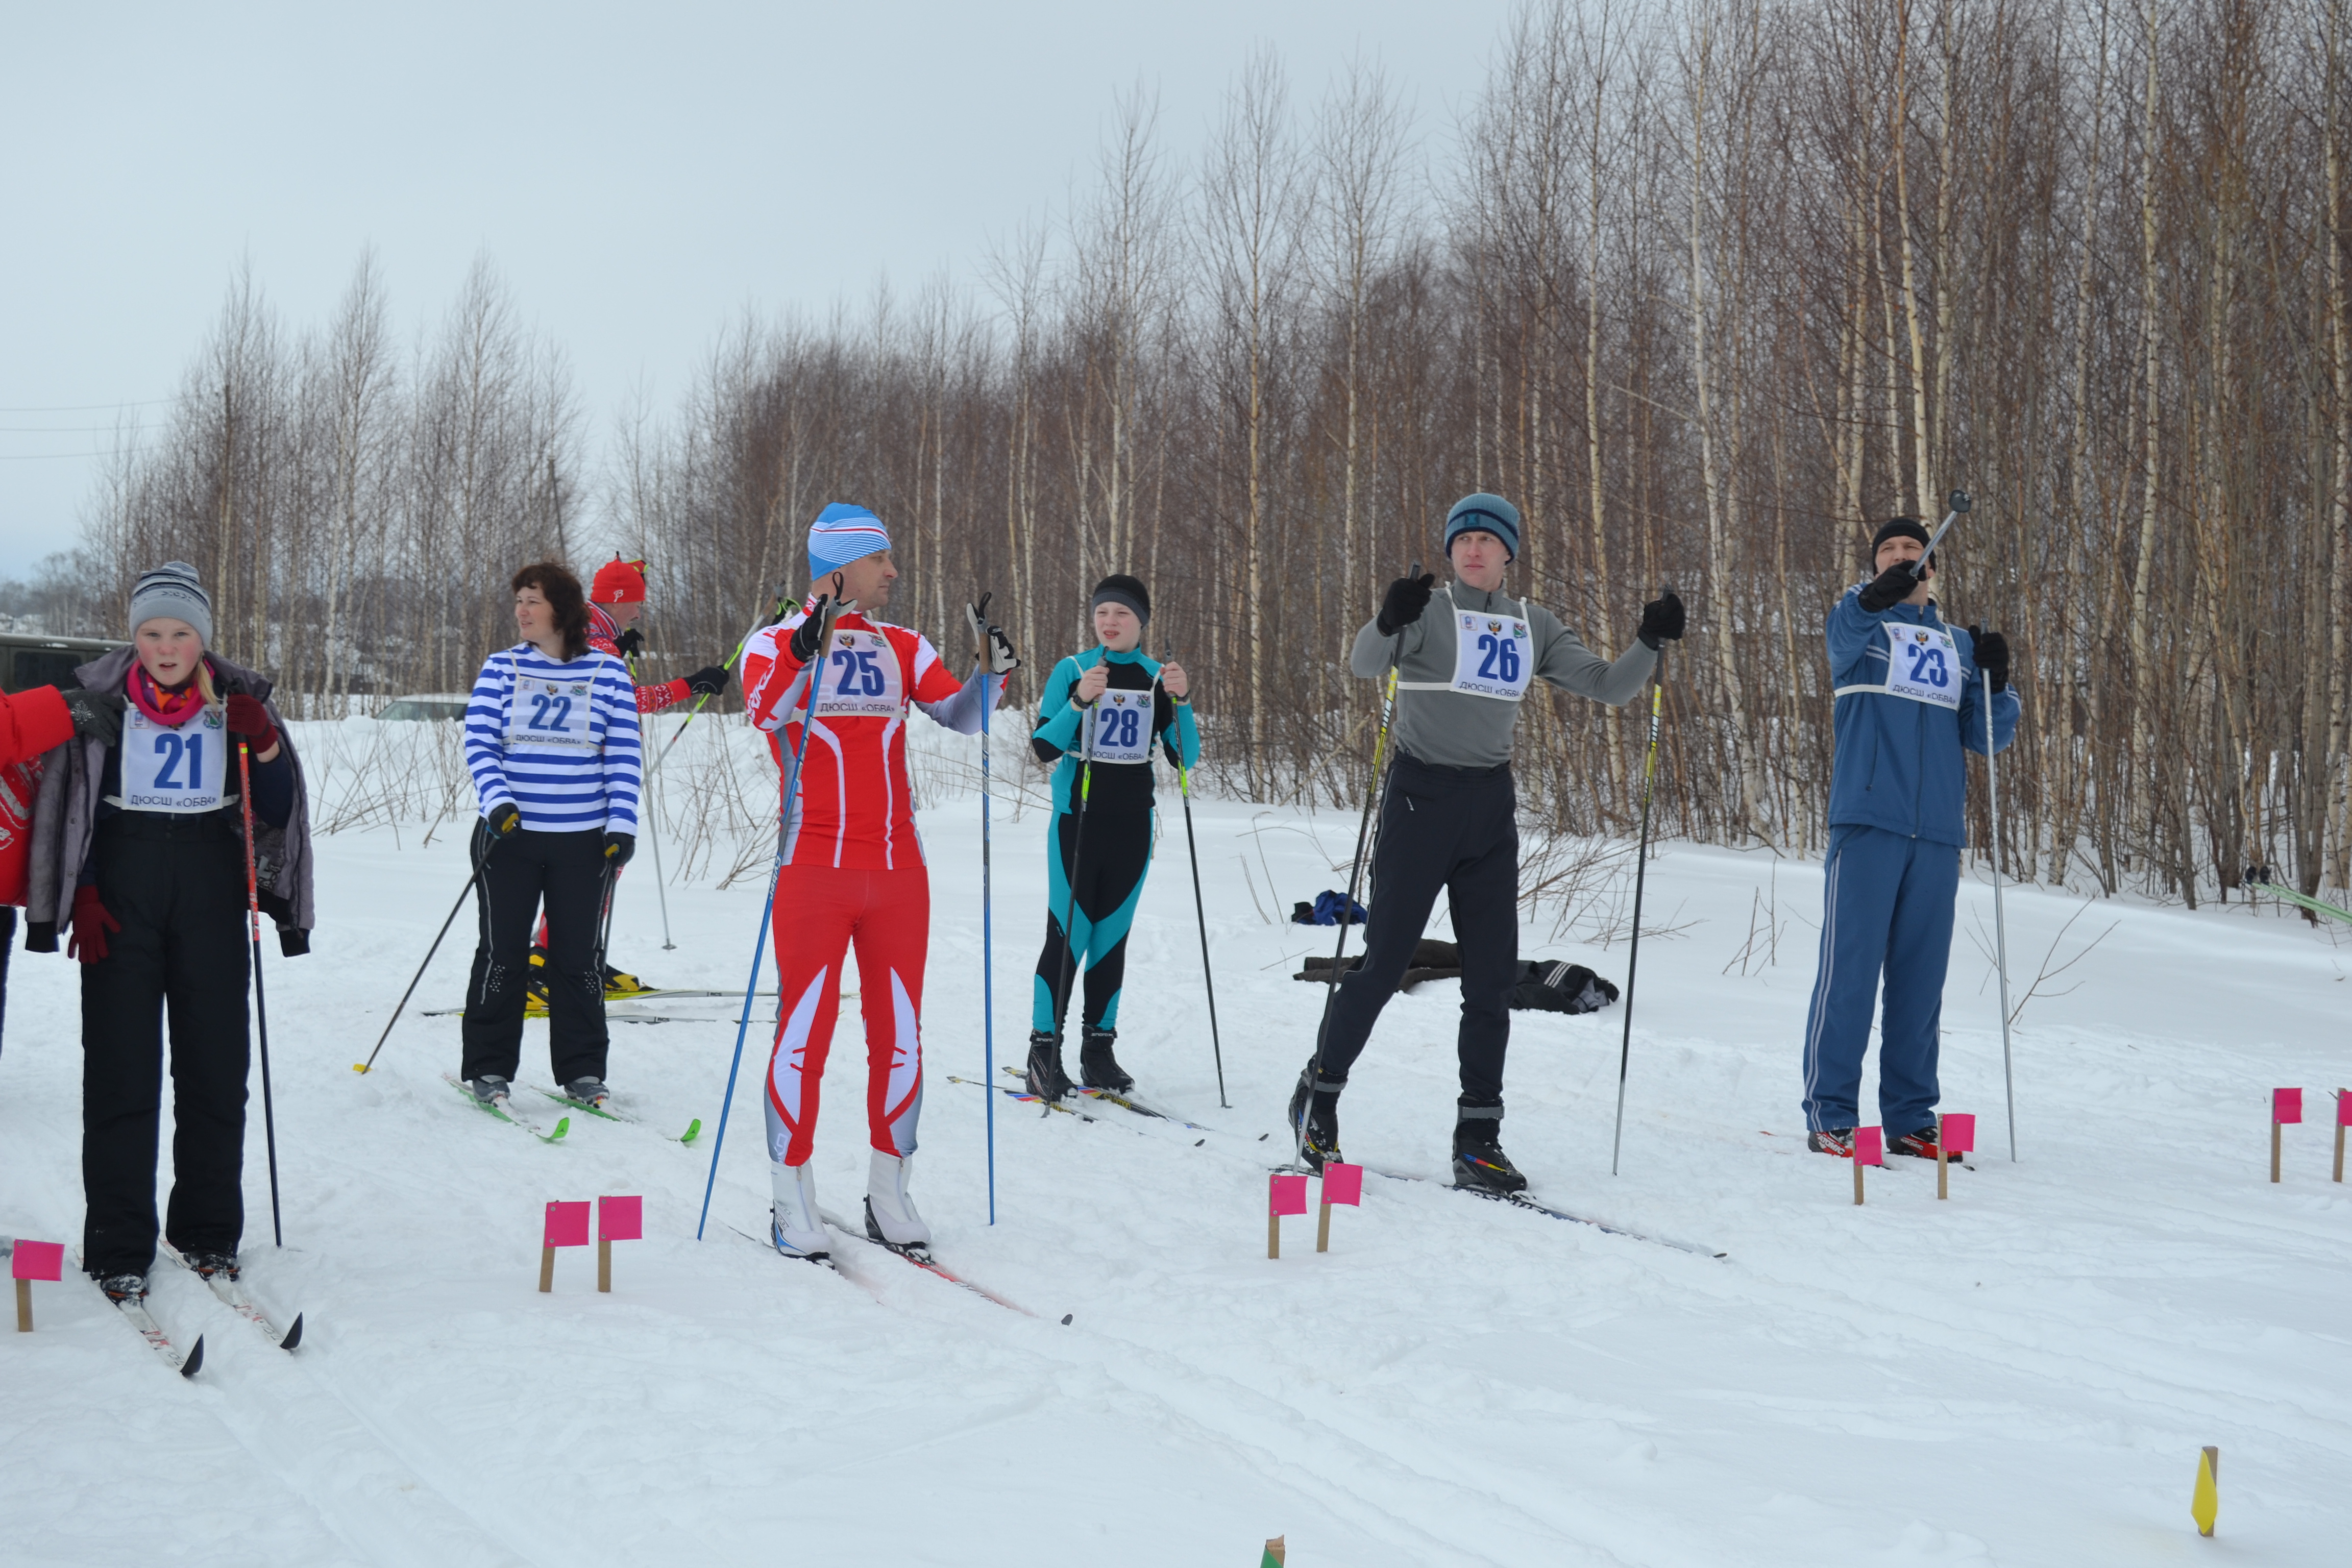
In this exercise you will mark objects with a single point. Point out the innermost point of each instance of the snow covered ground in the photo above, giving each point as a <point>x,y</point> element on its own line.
<point>2021,1375</point>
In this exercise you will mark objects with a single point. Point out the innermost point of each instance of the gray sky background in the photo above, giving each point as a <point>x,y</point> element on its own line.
<point>639,176</point>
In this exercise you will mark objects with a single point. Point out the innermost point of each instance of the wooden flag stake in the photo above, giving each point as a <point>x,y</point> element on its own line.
<point>2274,1148</point>
<point>2205,1502</point>
<point>24,1306</point>
<point>2343,1120</point>
<point>1943,1167</point>
<point>28,1261</point>
<point>546,1269</point>
<point>2286,1105</point>
<point>1857,1184</point>
<point>1274,1554</point>
<point>604,1264</point>
<point>566,1226</point>
<point>1285,1193</point>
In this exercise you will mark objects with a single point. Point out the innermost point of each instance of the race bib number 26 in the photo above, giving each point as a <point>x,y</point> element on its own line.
<point>1492,656</point>
<point>1923,664</point>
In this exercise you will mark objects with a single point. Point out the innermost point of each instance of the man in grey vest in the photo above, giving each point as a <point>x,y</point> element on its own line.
<point>1448,819</point>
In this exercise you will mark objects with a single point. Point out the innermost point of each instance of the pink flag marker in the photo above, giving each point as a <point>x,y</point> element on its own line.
<point>567,1225</point>
<point>617,1219</point>
<point>28,1261</point>
<point>1343,1183</point>
<point>1870,1146</point>
<point>2343,1113</point>
<point>1285,1195</point>
<point>1959,1131</point>
<point>2286,1105</point>
<point>620,1219</point>
<point>38,1260</point>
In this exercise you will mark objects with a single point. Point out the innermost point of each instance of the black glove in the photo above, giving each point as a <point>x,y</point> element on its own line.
<point>708,681</point>
<point>1403,604</point>
<point>990,646</point>
<point>631,643</point>
<point>618,847</point>
<point>1889,588</point>
<point>803,643</point>
<point>1662,620</point>
<point>97,715</point>
<point>1992,655</point>
<point>505,819</point>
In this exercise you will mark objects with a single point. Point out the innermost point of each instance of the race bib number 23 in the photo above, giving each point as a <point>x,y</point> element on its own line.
<point>1923,664</point>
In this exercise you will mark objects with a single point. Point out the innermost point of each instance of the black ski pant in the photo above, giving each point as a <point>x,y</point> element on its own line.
<point>516,873</point>
<point>1110,866</point>
<point>1455,829</point>
<point>176,886</point>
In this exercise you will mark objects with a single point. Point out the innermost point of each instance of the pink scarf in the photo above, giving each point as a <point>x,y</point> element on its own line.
<point>169,709</point>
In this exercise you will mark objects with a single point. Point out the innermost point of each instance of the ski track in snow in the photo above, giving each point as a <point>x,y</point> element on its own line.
<point>2021,1375</point>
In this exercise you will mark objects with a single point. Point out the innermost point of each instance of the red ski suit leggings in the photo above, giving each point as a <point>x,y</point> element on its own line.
<point>819,911</point>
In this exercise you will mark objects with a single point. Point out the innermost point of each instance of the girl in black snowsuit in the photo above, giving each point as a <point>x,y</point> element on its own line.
<point>138,847</point>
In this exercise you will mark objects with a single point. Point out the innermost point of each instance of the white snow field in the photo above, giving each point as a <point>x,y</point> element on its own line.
<point>2023,1375</point>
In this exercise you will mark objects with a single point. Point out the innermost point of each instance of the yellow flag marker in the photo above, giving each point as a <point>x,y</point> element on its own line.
<point>2206,1501</point>
<point>1273,1558</point>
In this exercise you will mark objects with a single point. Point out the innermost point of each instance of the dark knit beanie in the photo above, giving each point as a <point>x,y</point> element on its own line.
<point>1896,528</point>
<point>1119,589</point>
<point>1487,514</point>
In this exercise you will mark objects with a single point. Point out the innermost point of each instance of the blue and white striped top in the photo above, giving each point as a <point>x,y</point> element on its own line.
<point>560,741</point>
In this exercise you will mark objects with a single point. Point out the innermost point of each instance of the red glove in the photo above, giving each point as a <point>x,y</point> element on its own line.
<point>248,718</point>
<point>90,924</point>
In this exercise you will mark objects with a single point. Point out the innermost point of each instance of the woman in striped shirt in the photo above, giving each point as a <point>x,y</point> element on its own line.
<point>552,738</point>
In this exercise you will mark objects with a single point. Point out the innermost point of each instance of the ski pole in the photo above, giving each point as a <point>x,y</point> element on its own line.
<point>815,671</point>
<point>987,941</point>
<point>1069,979</point>
<point>2000,925</point>
<point>472,878</point>
<point>1200,908</point>
<point>785,604</point>
<point>661,885</point>
<point>260,1001</point>
<point>1960,503</point>
<point>1641,871</point>
<point>1355,870</point>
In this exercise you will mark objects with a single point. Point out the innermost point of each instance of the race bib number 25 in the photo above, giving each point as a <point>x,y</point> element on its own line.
<point>860,678</point>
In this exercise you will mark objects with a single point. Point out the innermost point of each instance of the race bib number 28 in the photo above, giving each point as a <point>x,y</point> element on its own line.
<point>1122,722</point>
<point>1923,664</point>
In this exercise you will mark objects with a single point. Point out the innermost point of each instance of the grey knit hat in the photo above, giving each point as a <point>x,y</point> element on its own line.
<point>171,590</point>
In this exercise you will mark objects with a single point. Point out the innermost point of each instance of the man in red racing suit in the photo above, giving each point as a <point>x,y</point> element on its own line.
<point>852,862</point>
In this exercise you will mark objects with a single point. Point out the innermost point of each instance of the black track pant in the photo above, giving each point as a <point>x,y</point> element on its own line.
<point>1453,828</point>
<point>176,884</point>
<point>1111,867</point>
<point>566,869</point>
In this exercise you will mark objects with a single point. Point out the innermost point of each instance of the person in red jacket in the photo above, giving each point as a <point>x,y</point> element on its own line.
<point>32,722</point>
<point>615,599</point>
<point>852,864</point>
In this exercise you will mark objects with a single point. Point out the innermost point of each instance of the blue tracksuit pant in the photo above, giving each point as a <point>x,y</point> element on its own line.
<point>1888,909</point>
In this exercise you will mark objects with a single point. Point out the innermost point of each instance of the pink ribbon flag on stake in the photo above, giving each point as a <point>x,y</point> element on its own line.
<point>1959,1131</point>
<point>2343,1113</point>
<point>1870,1146</point>
<point>38,1260</point>
<point>567,1224</point>
<point>1343,1183</point>
<point>620,1219</point>
<point>2286,1106</point>
<point>1285,1195</point>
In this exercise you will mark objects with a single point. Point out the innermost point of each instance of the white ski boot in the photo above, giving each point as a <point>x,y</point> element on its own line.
<point>794,1225</point>
<point>890,1217</point>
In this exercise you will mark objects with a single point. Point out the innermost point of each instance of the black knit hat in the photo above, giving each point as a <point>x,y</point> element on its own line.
<point>1897,527</point>
<point>1119,589</point>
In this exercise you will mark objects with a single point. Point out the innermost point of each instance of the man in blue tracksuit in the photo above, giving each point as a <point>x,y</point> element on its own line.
<point>1910,695</point>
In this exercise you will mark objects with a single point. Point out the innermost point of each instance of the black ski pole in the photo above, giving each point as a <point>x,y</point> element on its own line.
<point>1641,871</point>
<point>260,1002</point>
<point>1200,905</point>
<point>1355,871</point>
<point>474,877</point>
<point>1069,977</point>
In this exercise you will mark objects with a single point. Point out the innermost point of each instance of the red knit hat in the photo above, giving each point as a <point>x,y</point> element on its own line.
<point>619,582</point>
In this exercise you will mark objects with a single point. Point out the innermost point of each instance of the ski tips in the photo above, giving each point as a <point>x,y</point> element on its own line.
<point>693,1131</point>
<point>293,1335</point>
<point>359,1067</point>
<point>195,1361</point>
<point>563,1125</point>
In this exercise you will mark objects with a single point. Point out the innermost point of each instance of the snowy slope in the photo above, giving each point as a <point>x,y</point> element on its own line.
<point>2021,1375</point>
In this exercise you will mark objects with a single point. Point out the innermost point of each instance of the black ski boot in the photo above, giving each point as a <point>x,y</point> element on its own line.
<point>1046,1079</point>
<point>1479,1161</point>
<point>1097,1069</point>
<point>1316,1119</point>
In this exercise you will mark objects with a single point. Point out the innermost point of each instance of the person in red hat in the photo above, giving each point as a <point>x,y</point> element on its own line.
<point>616,597</point>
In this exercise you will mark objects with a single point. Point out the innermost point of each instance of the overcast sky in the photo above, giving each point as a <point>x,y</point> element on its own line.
<point>639,175</point>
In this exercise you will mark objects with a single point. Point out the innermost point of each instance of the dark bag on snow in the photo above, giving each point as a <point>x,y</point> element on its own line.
<point>1325,911</point>
<point>1431,960</point>
<point>1559,987</point>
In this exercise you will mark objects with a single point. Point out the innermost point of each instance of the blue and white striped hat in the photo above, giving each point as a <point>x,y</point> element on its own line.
<point>841,534</point>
